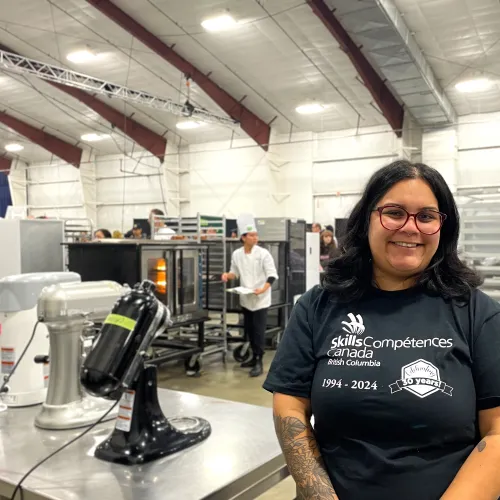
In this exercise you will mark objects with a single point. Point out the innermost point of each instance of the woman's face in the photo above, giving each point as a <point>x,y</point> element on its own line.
<point>99,235</point>
<point>327,239</point>
<point>392,257</point>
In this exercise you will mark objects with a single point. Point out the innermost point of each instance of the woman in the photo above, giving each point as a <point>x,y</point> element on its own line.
<point>102,234</point>
<point>397,358</point>
<point>328,248</point>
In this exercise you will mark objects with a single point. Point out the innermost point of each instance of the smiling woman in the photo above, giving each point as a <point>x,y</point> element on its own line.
<point>403,231</point>
<point>397,357</point>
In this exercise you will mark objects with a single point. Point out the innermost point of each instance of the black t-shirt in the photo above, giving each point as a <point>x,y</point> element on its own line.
<point>395,382</point>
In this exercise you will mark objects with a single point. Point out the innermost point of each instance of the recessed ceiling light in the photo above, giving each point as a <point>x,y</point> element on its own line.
<point>475,85</point>
<point>81,56</point>
<point>310,109</point>
<point>189,124</point>
<point>14,147</point>
<point>224,22</point>
<point>92,137</point>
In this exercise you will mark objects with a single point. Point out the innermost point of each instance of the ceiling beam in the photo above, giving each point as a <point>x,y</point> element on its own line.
<point>67,152</point>
<point>254,126</point>
<point>5,164</point>
<point>146,138</point>
<point>392,110</point>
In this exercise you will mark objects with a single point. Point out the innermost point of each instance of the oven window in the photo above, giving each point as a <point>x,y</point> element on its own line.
<point>187,283</point>
<point>157,273</point>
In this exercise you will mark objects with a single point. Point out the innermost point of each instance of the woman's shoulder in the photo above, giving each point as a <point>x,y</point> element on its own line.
<point>316,298</point>
<point>483,306</point>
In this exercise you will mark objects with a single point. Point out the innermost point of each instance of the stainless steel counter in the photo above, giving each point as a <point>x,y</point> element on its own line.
<point>240,460</point>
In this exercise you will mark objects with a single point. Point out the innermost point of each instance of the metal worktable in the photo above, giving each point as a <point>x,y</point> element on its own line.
<point>240,460</point>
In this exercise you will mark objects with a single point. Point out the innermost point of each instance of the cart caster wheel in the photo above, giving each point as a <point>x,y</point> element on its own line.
<point>274,343</point>
<point>193,369</point>
<point>241,353</point>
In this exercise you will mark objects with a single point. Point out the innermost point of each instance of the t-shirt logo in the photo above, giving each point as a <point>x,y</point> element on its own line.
<point>356,325</point>
<point>422,379</point>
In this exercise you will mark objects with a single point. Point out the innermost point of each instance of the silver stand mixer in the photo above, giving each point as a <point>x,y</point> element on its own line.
<point>69,311</point>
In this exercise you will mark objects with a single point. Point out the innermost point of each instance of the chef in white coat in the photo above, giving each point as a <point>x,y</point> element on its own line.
<point>255,268</point>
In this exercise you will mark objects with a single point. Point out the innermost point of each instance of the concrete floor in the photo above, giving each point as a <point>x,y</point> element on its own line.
<point>231,383</point>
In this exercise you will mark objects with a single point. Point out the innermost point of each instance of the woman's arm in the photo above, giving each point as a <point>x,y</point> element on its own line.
<point>478,478</point>
<point>292,422</point>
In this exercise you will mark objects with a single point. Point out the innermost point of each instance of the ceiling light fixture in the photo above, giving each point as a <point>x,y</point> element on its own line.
<point>475,85</point>
<point>93,137</point>
<point>224,22</point>
<point>12,148</point>
<point>189,125</point>
<point>81,56</point>
<point>310,109</point>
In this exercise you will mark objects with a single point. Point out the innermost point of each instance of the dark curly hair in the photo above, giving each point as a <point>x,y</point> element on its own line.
<point>350,276</point>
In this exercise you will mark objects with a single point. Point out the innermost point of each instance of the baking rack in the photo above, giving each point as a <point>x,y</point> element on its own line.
<point>479,243</point>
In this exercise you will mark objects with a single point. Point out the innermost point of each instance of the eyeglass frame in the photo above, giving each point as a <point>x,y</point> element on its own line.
<point>442,215</point>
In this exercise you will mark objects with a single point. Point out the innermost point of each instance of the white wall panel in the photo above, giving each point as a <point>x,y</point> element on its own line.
<point>346,175</point>
<point>128,187</point>
<point>479,168</point>
<point>55,190</point>
<point>362,143</point>
<point>329,208</point>
<point>230,181</point>
<point>440,151</point>
<point>479,131</point>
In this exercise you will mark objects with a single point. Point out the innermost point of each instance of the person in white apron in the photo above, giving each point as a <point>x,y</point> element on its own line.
<point>255,268</point>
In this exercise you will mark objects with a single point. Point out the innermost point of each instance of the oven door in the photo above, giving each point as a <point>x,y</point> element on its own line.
<point>156,266</point>
<point>188,287</point>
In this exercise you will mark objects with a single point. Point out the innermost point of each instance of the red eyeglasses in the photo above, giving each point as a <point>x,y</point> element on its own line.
<point>393,218</point>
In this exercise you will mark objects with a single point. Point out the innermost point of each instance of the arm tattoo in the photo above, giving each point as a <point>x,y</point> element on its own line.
<point>304,459</point>
<point>481,446</point>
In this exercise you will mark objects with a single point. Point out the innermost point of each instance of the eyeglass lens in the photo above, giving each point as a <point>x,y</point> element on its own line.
<point>427,221</point>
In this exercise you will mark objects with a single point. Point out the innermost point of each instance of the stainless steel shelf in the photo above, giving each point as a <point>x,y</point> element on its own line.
<point>480,230</point>
<point>492,282</point>
<point>470,243</point>
<point>494,294</point>
<point>480,255</point>
<point>488,269</point>
<point>481,219</point>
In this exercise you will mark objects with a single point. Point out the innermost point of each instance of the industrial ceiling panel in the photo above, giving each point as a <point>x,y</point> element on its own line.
<point>289,58</point>
<point>461,41</point>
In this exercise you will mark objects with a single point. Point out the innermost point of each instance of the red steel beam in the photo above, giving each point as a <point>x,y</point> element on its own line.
<point>149,140</point>
<point>255,127</point>
<point>389,105</point>
<point>5,164</point>
<point>67,152</point>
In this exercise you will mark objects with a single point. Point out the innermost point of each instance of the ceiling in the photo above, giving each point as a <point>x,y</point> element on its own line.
<point>460,39</point>
<point>280,56</point>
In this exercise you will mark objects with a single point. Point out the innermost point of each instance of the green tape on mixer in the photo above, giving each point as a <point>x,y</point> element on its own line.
<point>119,320</point>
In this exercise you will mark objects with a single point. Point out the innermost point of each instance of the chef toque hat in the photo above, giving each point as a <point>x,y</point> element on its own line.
<point>246,224</point>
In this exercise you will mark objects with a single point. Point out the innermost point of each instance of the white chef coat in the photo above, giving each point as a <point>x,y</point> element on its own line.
<point>164,233</point>
<point>253,269</point>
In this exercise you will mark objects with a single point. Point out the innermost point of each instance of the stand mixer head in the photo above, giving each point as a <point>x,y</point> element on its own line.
<point>67,311</point>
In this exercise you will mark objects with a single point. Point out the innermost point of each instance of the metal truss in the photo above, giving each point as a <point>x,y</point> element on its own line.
<point>25,66</point>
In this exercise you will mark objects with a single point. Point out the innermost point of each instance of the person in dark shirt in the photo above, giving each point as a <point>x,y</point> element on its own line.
<point>328,249</point>
<point>396,358</point>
